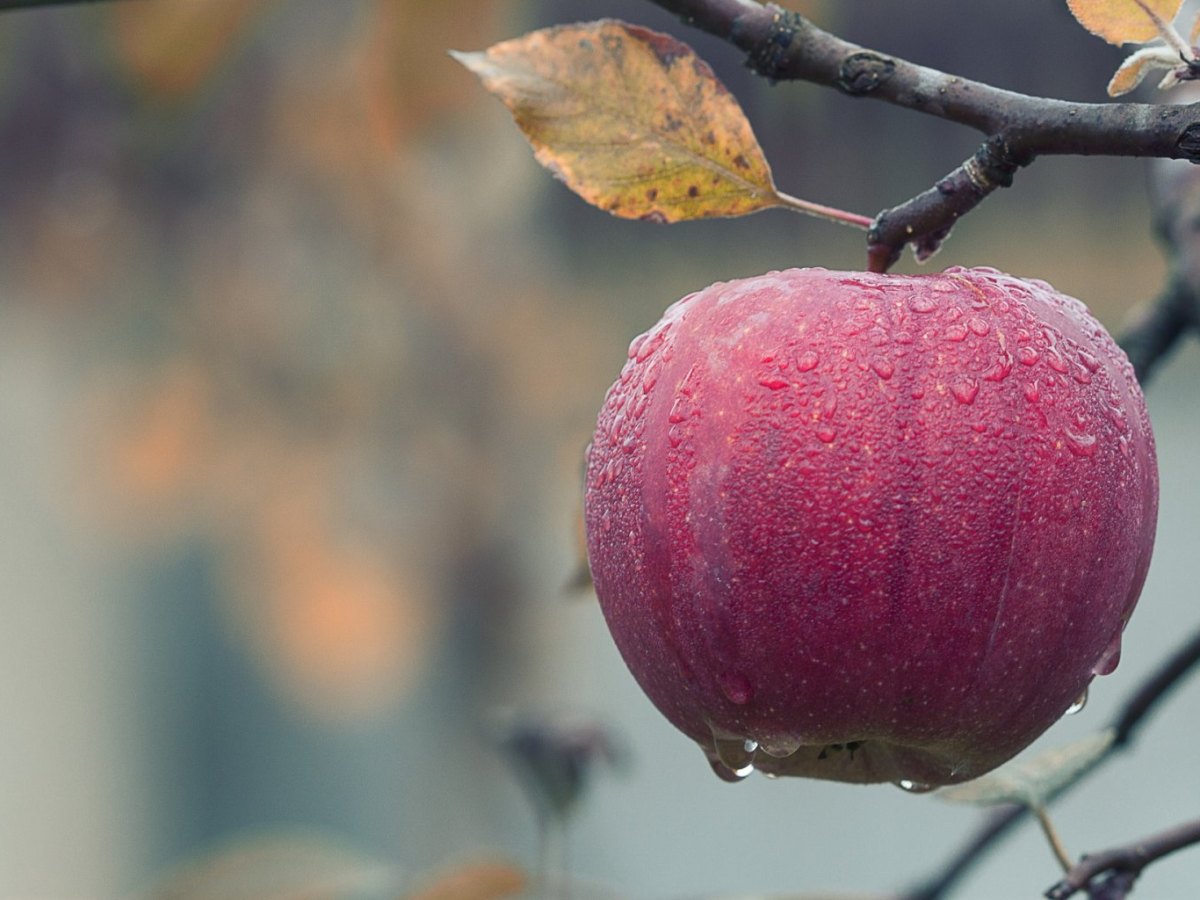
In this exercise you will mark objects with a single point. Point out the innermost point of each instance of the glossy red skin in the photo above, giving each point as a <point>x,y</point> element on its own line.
<point>898,521</point>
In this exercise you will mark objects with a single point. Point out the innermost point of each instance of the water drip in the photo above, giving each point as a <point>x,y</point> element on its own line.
<point>734,753</point>
<point>914,787</point>
<point>1079,704</point>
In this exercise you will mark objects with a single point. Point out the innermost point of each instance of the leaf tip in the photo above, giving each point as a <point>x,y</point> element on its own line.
<point>467,58</point>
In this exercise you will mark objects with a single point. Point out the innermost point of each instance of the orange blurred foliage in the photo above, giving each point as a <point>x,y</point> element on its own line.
<point>342,630</point>
<point>170,49</point>
<point>478,880</point>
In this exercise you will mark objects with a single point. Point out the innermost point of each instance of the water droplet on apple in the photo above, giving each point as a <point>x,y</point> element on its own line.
<point>1031,391</point>
<point>1119,418</point>
<point>734,752</point>
<point>641,351</point>
<point>1109,658</point>
<point>965,390</point>
<point>883,368</point>
<point>978,326</point>
<point>1002,369</point>
<point>650,377</point>
<point>1028,356</point>
<point>773,382</point>
<point>830,400</point>
<point>1079,704</point>
<point>1080,444</point>
<point>780,747</point>
<point>807,361</point>
<point>923,303</point>
<point>727,774</point>
<point>956,333</point>
<point>678,411</point>
<point>826,435</point>
<point>914,787</point>
<point>736,687</point>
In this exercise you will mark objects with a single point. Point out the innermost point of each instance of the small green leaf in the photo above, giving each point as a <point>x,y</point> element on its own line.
<point>1037,780</point>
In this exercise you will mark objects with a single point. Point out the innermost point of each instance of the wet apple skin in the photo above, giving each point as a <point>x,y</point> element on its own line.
<point>886,527</point>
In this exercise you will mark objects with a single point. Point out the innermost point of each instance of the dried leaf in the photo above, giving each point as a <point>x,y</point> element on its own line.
<point>631,119</point>
<point>1131,72</point>
<point>1037,781</point>
<point>1125,21</point>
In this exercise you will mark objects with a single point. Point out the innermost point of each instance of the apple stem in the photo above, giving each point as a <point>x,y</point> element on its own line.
<point>1056,844</point>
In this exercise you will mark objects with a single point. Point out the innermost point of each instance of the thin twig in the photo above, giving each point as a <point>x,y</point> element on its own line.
<point>1128,860</point>
<point>1052,837</point>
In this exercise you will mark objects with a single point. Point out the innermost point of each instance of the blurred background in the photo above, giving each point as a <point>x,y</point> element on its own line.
<point>299,352</point>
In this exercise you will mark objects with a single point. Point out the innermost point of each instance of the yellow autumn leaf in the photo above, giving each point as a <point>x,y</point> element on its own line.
<point>1125,21</point>
<point>632,121</point>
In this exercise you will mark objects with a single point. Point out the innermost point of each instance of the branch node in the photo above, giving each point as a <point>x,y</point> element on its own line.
<point>768,58</point>
<point>1188,144</point>
<point>863,72</point>
<point>994,164</point>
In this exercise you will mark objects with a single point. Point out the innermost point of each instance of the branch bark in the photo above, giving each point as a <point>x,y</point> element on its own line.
<point>782,45</point>
<point>1110,875</point>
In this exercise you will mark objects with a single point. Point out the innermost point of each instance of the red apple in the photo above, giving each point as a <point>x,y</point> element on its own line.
<point>871,527</point>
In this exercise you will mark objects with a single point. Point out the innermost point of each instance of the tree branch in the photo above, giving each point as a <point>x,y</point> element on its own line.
<point>1118,868</point>
<point>782,45</point>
